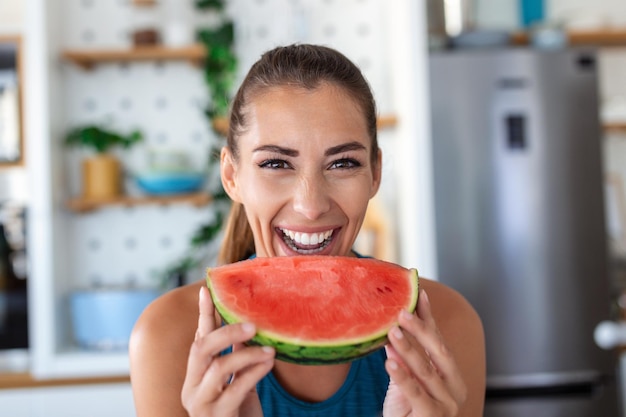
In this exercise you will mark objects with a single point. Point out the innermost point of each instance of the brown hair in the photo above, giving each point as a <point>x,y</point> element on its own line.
<point>304,66</point>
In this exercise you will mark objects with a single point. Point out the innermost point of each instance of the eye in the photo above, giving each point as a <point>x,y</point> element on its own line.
<point>275,164</point>
<point>345,163</point>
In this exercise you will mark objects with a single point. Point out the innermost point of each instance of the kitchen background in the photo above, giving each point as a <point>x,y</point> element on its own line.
<point>71,249</point>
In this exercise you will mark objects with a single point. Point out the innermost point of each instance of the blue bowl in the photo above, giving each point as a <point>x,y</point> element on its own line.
<point>104,319</point>
<point>170,182</point>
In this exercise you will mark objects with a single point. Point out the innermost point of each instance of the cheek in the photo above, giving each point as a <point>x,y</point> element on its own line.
<point>354,198</point>
<point>260,196</point>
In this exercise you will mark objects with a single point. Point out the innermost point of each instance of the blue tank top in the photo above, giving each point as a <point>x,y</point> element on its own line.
<point>361,395</point>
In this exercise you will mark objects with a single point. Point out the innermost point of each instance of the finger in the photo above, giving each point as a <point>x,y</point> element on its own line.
<point>415,394</point>
<point>204,350</point>
<point>238,346</point>
<point>245,381</point>
<point>215,381</point>
<point>392,354</point>
<point>427,334</point>
<point>206,316</point>
<point>418,364</point>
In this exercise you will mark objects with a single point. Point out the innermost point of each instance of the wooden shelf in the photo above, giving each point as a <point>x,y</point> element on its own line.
<point>388,121</point>
<point>82,205</point>
<point>220,124</point>
<point>600,37</point>
<point>88,58</point>
<point>614,128</point>
<point>26,380</point>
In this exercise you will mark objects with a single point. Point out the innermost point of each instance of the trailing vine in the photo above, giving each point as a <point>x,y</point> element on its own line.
<point>220,66</point>
<point>221,62</point>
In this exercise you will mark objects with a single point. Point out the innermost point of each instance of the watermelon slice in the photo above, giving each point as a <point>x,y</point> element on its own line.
<point>315,309</point>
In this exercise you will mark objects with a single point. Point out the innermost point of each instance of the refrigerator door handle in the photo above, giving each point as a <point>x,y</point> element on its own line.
<point>581,390</point>
<point>499,382</point>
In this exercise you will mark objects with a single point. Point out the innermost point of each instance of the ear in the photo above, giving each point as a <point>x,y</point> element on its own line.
<point>377,173</point>
<point>228,171</point>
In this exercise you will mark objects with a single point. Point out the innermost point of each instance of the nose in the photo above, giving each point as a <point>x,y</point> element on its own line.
<point>311,197</point>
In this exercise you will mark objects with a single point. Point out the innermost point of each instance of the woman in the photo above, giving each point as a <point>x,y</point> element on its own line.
<point>301,163</point>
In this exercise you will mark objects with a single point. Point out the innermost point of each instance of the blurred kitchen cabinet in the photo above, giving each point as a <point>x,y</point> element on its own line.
<point>99,400</point>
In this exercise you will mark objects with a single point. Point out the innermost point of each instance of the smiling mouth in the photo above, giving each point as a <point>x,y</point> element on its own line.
<point>307,243</point>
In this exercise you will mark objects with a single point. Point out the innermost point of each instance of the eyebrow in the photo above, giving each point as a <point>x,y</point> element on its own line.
<point>344,147</point>
<point>277,149</point>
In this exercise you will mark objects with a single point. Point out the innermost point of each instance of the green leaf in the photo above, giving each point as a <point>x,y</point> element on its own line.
<point>217,5</point>
<point>99,139</point>
<point>206,233</point>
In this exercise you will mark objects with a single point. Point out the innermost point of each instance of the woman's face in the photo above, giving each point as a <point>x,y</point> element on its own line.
<point>304,172</point>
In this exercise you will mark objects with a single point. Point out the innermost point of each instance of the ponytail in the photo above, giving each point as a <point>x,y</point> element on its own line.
<point>238,242</point>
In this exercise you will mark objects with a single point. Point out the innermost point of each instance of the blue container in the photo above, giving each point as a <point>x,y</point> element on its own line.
<point>531,12</point>
<point>104,319</point>
<point>171,182</point>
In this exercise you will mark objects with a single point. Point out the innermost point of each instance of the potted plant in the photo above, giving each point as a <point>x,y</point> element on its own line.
<point>101,172</point>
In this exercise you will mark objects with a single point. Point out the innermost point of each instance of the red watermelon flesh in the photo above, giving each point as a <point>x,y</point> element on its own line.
<point>315,309</point>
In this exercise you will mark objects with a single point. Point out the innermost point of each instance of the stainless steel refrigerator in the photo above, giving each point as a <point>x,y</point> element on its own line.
<point>520,227</point>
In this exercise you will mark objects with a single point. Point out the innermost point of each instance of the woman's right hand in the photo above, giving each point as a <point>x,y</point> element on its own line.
<point>223,385</point>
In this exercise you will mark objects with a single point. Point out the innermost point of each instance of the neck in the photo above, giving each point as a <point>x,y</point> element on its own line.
<point>296,379</point>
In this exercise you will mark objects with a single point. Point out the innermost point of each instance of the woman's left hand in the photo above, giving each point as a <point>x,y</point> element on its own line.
<point>425,379</point>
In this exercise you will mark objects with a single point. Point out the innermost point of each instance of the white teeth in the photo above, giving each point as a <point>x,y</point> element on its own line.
<point>307,239</point>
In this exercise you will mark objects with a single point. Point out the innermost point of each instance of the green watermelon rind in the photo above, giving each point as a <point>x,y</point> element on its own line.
<point>319,353</point>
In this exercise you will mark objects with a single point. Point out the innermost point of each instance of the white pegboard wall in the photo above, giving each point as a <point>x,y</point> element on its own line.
<point>165,100</point>
<point>354,27</point>
<point>110,23</point>
<point>121,246</point>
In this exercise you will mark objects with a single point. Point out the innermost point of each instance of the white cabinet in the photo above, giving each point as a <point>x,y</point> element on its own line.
<point>101,400</point>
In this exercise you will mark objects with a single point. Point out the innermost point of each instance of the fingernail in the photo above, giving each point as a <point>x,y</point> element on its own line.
<point>201,294</point>
<point>268,349</point>
<point>397,333</point>
<point>425,295</point>
<point>393,364</point>
<point>248,328</point>
<point>406,315</point>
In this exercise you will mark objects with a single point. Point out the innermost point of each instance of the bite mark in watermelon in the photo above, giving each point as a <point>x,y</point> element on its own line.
<point>315,309</point>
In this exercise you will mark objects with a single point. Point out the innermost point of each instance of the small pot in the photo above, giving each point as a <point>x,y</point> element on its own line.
<point>103,319</point>
<point>102,178</point>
